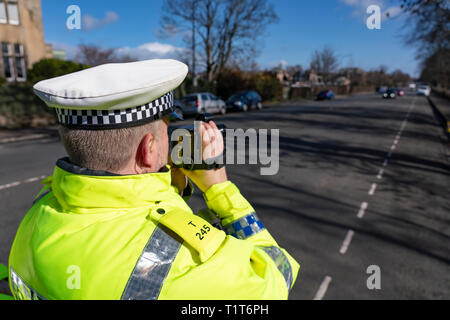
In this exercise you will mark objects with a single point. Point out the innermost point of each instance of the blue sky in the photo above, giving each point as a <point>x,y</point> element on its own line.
<point>305,25</point>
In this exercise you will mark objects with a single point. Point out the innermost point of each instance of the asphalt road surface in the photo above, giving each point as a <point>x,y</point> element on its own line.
<point>362,182</point>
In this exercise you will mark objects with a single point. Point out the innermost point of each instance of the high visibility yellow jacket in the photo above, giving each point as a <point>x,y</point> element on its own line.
<point>95,235</point>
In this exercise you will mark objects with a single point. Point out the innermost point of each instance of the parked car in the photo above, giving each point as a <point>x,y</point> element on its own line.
<point>412,85</point>
<point>390,94</point>
<point>400,92</point>
<point>244,101</point>
<point>205,102</point>
<point>325,95</point>
<point>382,90</point>
<point>183,110</point>
<point>423,90</point>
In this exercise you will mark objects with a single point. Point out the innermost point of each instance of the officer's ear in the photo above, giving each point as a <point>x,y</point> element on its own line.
<point>147,156</point>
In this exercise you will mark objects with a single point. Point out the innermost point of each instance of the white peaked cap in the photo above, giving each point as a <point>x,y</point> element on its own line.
<point>114,95</point>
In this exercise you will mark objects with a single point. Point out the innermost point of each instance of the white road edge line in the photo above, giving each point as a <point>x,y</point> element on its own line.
<point>18,183</point>
<point>380,174</point>
<point>347,240</point>
<point>323,288</point>
<point>372,189</point>
<point>362,210</point>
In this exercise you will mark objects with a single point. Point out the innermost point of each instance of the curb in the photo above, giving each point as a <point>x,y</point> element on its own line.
<point>25,138</point>
<point>441,117</point>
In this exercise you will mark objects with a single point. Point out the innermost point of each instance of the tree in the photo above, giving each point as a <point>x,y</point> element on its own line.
<point>431,20</point>
<point>399,78</point>
<point>51,68</point>
<point>378,77</point>
<point>325,62</point>
<point>431,37</point>
<point>225,29</point>
<point>93,55</point>
<point>435,69</point>
<point>180,17</point>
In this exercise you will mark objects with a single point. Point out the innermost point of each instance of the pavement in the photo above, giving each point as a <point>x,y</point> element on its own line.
<point>442,111</point>
<point>17,135</point>
<point>362,182</point>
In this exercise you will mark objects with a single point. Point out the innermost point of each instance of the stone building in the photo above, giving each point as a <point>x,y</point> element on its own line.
<point>307,78</point>
<point>21,37</point>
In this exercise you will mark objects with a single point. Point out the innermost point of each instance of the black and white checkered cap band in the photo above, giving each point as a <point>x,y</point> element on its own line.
<point>109,119</point>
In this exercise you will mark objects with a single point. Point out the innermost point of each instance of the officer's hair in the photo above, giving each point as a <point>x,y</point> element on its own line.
<point>106,150</point>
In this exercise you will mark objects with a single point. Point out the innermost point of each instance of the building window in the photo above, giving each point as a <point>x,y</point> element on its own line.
<point>8,63</point>
<point>13,12</point>
<point>3,17</point>
<point>21,70</point>
<point>6,49</point>
<point>14,67</point>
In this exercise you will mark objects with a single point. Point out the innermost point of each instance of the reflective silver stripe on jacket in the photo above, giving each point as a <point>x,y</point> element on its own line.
<point>154,264</point>
<point>282,263</point>
<point>21,290</point>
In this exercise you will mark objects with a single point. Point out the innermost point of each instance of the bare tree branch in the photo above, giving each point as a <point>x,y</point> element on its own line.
<point>226,29</point>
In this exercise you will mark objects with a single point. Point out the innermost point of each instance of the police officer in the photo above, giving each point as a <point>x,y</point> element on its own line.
<point>112,221</point>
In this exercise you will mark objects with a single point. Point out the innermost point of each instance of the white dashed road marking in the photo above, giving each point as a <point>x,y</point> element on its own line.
<point>323,288</point>
<point>18,183</point>
<point>380,174</point>
<point>372,189</point>
<point>362,210</point>
<point>347,240</point>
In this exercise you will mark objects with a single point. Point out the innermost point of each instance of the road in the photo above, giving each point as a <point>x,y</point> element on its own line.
<point>362,182</point>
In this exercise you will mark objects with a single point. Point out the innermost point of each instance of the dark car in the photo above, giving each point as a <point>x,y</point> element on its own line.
<point>390,94</point>
<point>244,101</point>
<point>325,95</point>
<point>184,110</point>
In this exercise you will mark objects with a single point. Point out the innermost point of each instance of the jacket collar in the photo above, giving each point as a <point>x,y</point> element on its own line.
<point>81,190</point>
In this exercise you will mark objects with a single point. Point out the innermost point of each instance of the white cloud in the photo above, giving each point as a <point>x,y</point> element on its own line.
<point>151,50</point>
<point>91,23</point>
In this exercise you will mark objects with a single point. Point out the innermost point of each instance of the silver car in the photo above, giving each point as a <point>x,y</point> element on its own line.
<point>205,102</point>
<point>423,90</point>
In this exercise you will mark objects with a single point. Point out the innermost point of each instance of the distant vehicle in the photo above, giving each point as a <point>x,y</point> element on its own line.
<point>205,102</point>
<point>400,92</point>
<point>244,101</point>
<point>183,110</point>
<point>390,94</point>
<point>382,89</point>
<point>412,85</point>
<point>423,90</point>
<point>325,95</point>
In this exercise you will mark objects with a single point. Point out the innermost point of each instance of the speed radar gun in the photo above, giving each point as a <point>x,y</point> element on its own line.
<point>186,146</point>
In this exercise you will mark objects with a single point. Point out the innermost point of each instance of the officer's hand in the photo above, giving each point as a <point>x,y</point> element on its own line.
<point>212,146</point>
<point>179,179</point>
